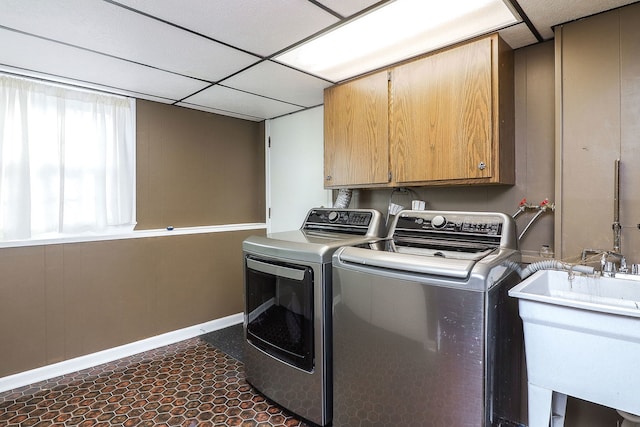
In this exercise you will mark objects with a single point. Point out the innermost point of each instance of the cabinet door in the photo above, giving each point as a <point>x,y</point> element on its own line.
<point>441,116</point>
<point>356,136</point>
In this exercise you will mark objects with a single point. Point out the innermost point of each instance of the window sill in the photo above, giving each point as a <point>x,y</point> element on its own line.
<point>136,234</point>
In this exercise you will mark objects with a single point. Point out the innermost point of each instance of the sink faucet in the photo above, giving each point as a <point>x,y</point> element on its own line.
<point>608,260</point>
<point>623,266</point>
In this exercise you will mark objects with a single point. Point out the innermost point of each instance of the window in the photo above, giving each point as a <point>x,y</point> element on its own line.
<point>67,161</point>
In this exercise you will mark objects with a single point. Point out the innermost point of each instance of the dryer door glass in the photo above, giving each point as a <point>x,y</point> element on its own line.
<point>279,310</point>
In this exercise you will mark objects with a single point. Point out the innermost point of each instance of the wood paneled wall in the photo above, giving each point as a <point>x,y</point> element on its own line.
<point>196,168</point>
<point>66,300</point>
<point>598,77</point>
<point>598,99</point>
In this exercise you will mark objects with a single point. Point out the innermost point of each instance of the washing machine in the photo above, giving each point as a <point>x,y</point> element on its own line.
<point>424,331</point>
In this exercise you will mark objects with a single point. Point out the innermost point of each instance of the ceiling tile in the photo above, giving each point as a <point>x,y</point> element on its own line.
<point>31,53</point>
<point>351,7</point>
<point>116,31</point>
<point>518,36</point>
<point>74,83</point>
<point>166,50</point>
<point>258,26</point>
<point>232,100</point>
<point>545,14</point>
<point>221,112</point>
<point>280,82</point>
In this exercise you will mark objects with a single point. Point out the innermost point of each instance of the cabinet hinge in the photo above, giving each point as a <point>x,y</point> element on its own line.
<point>269,213</point>
<point>389,75</point>
<point>269,142</point>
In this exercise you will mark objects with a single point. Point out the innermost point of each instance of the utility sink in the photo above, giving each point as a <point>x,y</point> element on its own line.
<point>602,294</point>
<point>582,338</point>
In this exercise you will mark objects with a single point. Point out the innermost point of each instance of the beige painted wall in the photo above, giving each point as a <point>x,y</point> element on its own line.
<point>62,301</point>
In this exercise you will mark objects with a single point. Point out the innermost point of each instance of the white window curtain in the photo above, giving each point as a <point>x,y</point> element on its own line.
<point>67,161</point>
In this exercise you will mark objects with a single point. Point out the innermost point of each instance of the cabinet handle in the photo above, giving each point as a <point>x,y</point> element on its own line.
<point>482,166</point>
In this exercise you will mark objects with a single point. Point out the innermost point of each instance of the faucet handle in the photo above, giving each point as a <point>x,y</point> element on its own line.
<point>609,269</point>
<point>623,266</point>
<point>603,261</point>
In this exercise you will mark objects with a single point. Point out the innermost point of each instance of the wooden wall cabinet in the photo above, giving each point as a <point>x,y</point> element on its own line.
<point>449,119</point>
<point>356,132</point>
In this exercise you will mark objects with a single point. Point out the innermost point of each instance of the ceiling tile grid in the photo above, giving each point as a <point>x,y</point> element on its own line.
<point>103,27</point>
<point>280,82</point>
<point>215,56</point>
<point>257,26</point>
<point>227,99</point>
<point>545,14</point>
<point>349,8</point>
<point>31,53</point>
<point>218,111</point>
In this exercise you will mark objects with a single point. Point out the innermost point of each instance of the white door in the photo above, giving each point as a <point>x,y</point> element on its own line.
<point>295,168</point>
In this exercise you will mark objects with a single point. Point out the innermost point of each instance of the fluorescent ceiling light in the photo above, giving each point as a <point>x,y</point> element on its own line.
<point>397,31</point>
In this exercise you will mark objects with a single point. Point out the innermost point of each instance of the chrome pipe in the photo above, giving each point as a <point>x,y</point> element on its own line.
<point>616,208</point>
<point>540,212</point>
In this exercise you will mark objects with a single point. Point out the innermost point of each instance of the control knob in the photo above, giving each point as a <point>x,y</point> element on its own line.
<point>438,221</point>
<point>333,216</point>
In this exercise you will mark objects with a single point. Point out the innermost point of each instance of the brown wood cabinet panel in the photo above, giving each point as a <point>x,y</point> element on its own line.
<point>356,149</point>
<point>448,121</point>
<point>441,115</point>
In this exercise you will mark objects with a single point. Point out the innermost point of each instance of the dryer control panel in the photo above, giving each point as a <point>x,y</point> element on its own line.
<point>352,221</point>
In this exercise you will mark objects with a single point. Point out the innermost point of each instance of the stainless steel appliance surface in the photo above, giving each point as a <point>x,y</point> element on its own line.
<point>287,322</point>
<point>424,331</point>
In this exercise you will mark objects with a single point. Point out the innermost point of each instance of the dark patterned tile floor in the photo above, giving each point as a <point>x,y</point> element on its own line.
<point>189,383</point>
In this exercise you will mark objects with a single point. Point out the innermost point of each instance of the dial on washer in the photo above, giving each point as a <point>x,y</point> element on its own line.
<point>438,221</point>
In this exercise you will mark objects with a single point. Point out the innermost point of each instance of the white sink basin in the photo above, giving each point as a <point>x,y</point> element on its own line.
<point>604,294</point>
<point>582,338</point>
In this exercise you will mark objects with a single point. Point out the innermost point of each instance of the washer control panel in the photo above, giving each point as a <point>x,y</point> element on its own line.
<point>451,223</point>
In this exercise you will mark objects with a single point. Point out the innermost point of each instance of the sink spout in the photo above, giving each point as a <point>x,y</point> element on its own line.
<point>610,261</point>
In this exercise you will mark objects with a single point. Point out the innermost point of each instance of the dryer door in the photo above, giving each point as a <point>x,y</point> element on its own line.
<point>279,310</point>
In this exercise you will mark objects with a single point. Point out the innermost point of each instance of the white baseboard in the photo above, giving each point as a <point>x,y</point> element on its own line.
<point>83,362</point>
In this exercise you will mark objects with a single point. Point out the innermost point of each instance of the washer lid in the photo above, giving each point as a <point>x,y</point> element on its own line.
<point>457,268</point>
<point>447,244</point>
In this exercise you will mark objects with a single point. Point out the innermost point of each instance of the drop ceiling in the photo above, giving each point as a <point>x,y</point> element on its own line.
<point>215,56</point>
